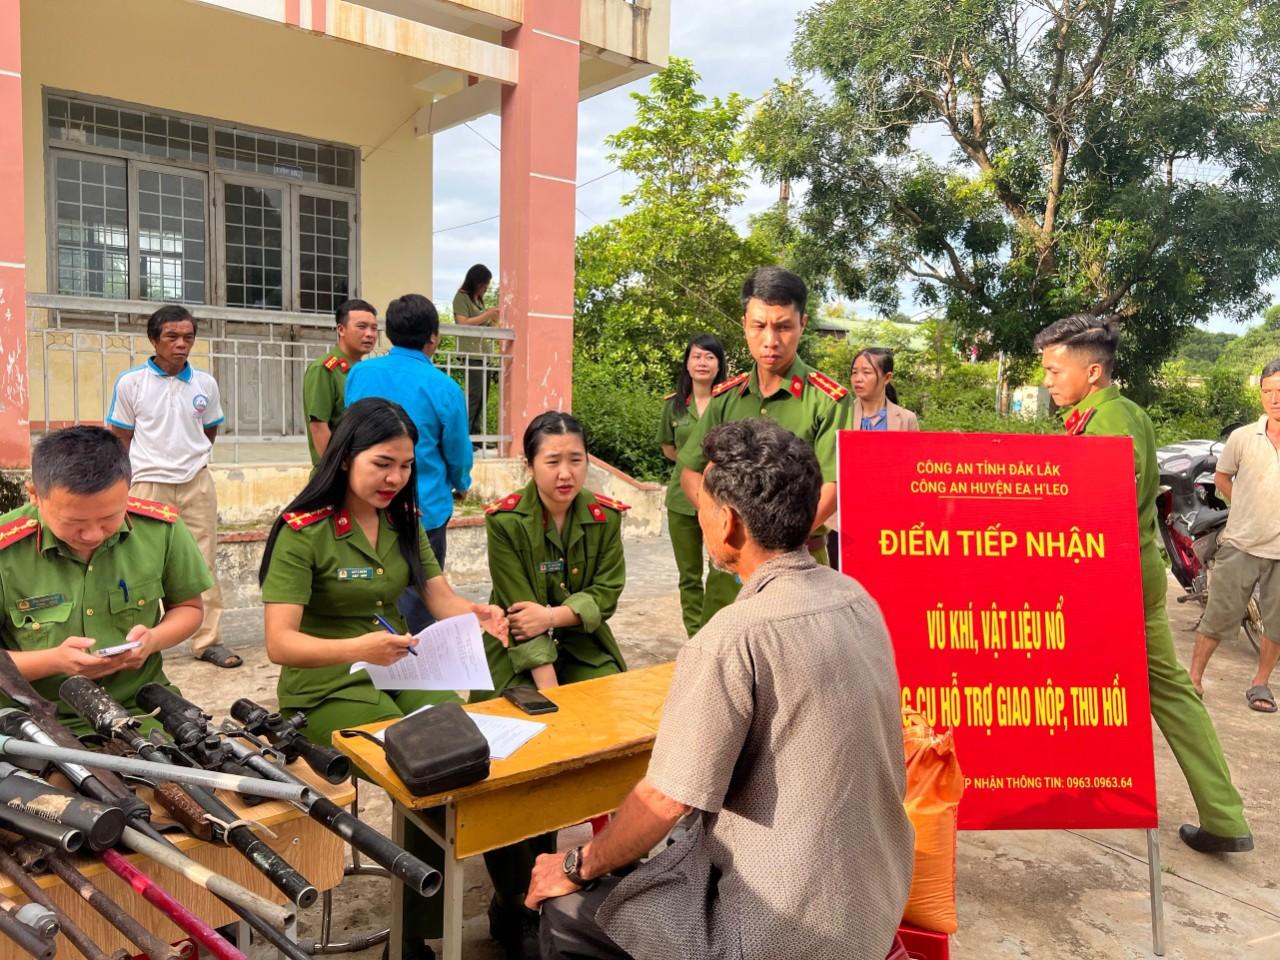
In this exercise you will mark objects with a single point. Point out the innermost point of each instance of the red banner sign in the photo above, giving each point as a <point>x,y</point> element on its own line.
<point>1007,569</point>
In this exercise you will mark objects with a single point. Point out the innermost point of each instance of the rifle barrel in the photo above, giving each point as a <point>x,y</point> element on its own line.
<point>293,792</point>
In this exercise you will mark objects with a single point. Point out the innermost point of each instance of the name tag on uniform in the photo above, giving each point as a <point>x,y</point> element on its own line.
<point>27,604</point>
<point>551,566</point>
<point>355,573</point>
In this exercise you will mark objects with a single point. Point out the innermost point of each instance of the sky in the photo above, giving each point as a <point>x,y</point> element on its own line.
<point>743,53</point>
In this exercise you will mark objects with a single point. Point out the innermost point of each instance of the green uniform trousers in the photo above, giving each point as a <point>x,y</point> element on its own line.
<point>722,588</point>
<point>686,543</point>
<point>1182,717</point>
<point>422,921</point>
<point>509,867</point>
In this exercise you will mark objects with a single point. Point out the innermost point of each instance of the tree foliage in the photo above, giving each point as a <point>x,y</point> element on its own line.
<point>1108,156</point>
<point>672,266</point>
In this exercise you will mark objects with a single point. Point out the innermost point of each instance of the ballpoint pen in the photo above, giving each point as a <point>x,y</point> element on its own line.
<point>390,629</point>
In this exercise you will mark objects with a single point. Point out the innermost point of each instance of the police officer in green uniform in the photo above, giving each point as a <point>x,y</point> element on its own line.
<point>779,386</point>
<point>556,561</point>
<point>701,370</point>
<point>86,568</point>
<point>346,547</point>
<point>324,383</point>
<point>1077,354</point>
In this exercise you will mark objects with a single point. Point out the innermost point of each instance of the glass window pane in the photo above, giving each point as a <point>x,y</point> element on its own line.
<point>171,236</point>
<point>253,255</point>
<point>134,129</point>
<point>324,254</point>
<point>283,157</point>
<point>91,229</point>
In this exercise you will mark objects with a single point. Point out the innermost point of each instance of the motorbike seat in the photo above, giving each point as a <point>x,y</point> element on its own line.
<point>1207,519</point>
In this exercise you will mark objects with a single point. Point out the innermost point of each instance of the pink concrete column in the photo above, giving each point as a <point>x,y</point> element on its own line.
<point>15,437</point>
<point>539,168</point>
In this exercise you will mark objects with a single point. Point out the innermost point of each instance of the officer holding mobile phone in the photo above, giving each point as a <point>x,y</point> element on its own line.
<point>85,570</point>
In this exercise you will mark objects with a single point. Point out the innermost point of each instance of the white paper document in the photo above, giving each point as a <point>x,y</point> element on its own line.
<point>450,657</point>
<point>506,735</point>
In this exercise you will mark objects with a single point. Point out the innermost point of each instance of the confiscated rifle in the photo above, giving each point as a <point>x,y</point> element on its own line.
<point>26,937</point>
<point>101,824</point>
<point>113,789</point>
<point>284,735</point>
<point>74,933</point>
<point>187,723</point>
<point>144,838</point>
<point>110,720</point>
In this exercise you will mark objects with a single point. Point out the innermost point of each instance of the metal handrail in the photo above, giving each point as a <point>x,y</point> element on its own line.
<point>87,306</point>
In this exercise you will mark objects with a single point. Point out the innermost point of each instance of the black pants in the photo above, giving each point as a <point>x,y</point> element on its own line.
<point>410,603</point>
<point>569,930</point>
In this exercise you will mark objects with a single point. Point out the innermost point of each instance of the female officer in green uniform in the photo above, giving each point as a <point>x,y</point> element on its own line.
<point>555,558</point>
<point>702,368</point>
<point>346,547</point>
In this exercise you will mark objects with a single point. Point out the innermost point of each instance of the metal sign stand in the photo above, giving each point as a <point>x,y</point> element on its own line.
<point>1157,893</point>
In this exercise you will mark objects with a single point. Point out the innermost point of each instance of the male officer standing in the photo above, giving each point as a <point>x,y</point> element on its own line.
<point>781,387</point>
<point>1077,354</point>
<point>85,567</point>
<point>325,381</point>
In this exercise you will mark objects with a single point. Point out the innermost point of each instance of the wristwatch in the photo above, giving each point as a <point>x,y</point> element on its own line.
<point>573,867</point>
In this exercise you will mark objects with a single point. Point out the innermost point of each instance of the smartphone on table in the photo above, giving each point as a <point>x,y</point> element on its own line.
<point>529,700</point>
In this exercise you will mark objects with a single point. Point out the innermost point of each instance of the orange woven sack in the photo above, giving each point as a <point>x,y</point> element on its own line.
<point>934,787</point>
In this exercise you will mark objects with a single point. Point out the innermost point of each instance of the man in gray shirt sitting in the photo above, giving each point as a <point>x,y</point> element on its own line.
<point>781,740</point>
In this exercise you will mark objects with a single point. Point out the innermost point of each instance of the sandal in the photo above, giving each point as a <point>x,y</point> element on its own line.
<point>220,656</point>
<point>1261,699</point>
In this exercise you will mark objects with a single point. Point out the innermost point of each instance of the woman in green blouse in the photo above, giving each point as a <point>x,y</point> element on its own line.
<point>555,558</point>
<point>703,367</point>
<point>469,310</point>
<point>346,547</point>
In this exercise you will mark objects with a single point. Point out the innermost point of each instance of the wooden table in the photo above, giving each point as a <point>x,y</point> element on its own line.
<point>310,848</point>
<point>594,750</point>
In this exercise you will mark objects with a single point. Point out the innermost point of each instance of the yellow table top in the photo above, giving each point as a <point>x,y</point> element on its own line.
<point>598,719</point>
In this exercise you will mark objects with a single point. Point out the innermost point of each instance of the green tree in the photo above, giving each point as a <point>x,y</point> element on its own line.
<point>1110,157</point>
<point>672,266</point>
<point>1200,349</point>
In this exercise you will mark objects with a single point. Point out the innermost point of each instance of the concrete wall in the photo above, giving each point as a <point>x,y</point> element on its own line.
<point>201,60</point>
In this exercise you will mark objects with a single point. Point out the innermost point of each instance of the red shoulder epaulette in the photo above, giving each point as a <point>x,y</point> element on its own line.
<point>730,384</point>
<point>1078,420</point>
<point>827,385</point>
<point>509,502</point>
<point>153,509</point>
<point>16,530</point>
<point>611,503</point>
<point>340,362</point>
<point>298,520</point>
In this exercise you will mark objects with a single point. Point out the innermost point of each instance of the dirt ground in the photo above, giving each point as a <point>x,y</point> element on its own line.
<point>1058,894</point>
<point>361,904</point>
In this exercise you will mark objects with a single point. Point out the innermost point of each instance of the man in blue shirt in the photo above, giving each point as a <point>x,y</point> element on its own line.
<point>437,405</point>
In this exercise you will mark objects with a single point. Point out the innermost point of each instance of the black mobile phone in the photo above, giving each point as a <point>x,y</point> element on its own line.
<point>529,700</point>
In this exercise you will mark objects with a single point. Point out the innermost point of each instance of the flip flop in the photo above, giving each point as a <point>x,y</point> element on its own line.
<point>220,656</point>
<point>1260,699</point>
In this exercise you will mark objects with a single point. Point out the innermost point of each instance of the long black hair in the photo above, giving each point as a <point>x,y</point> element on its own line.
<point>476,277</point>
<point>364,424</point>
<point>882,359</point>
<point>684,381</point>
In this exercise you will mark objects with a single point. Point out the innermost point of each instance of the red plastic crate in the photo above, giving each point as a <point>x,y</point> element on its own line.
<point>925,944</point>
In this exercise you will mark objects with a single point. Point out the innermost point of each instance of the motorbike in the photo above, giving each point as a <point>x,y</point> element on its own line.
<point>1191,516</point>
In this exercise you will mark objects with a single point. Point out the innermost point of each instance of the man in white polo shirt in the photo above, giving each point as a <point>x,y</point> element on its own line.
<point>167,413</point>
<point>1248,474</point>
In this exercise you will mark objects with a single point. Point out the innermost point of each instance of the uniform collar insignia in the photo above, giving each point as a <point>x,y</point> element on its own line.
<point>797,386</point>
<point>342,522</point>
<point>1079,419</point>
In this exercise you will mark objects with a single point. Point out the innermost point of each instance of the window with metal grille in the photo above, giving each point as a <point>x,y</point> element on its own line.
<point>139,208</point>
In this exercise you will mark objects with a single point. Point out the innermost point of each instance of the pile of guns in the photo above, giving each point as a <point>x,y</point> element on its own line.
<point>41,825</point>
